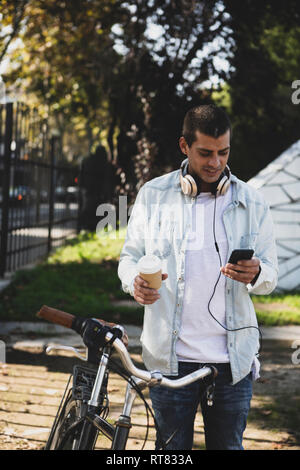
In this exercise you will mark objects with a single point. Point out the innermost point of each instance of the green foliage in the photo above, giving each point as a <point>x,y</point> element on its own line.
<point>91,247</point>
<point>80,278</point>
<point>128,72</point>
<point>265,62</point>
<point>84,289</point>
<point>278,309</point>
<point>98,67</point>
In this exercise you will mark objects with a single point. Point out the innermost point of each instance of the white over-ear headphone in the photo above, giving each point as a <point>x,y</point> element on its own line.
<point>190,188</point>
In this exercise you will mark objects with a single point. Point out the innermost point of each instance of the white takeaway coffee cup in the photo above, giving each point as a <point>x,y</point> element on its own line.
<point>149,267</point>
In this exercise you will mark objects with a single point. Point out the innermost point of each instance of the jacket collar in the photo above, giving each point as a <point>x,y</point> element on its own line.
<point>239,194</point>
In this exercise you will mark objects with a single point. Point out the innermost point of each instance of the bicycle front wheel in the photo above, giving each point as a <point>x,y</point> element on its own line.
<point>68,428</point>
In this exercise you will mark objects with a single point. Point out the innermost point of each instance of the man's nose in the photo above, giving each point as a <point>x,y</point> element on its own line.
<point>214,161</point>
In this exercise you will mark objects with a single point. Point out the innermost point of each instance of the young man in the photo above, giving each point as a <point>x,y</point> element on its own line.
<point>193,218</point>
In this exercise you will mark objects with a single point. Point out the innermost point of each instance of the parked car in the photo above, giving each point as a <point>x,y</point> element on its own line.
<point>66,194</point>
<point>44,196</point>
<point>72,193</point>
<point>60,194</point>
<point>20,195</point>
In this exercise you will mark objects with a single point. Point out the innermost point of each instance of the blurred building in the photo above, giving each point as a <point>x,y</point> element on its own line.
<point>279,183</point>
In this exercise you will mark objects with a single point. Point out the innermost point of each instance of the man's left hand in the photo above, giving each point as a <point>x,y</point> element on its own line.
<point>244,271</point>
<point>111,325</point>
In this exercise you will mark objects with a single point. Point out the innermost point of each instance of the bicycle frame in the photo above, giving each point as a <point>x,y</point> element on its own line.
<point>92,422</point>
<point>118,434</point>
<point>90,415</point>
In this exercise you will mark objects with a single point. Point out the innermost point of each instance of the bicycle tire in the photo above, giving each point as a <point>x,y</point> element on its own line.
<point>68,427</point>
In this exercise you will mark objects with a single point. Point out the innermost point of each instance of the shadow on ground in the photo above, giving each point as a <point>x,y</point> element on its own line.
<point>276,398</point>
<point>56,363</point>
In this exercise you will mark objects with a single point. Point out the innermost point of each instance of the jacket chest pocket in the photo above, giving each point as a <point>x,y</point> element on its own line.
<point>248,241</point>
<point>162,241</point>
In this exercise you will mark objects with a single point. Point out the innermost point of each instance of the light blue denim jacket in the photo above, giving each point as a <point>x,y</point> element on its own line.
<point>160,224</point>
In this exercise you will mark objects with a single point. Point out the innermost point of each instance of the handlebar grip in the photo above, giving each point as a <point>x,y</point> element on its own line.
<point>56,316</point>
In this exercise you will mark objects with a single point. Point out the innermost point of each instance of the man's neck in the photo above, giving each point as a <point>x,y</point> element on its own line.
<point>205,187</point>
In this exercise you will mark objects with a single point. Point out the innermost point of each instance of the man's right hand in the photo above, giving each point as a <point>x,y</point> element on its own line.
<point>144,294</point>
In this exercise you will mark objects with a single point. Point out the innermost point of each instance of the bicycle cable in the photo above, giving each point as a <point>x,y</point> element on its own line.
<point>61,405</point>
<point>123,373</point>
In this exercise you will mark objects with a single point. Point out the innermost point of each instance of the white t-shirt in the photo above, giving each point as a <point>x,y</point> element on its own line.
<point>201,338</point>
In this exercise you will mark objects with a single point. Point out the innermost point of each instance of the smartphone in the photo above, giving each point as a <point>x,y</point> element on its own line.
<point>238,255</point>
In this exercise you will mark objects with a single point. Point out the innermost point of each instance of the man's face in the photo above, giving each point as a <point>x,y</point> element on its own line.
<point>207,156</point>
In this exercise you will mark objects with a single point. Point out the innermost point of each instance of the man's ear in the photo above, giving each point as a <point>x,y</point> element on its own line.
<point>183,145</point>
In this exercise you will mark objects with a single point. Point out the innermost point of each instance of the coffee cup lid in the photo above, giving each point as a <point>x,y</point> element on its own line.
<point>149,264</point>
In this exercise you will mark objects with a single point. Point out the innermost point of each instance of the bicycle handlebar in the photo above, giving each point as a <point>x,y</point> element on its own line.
<point>152,378</point>
<point>56,316</point>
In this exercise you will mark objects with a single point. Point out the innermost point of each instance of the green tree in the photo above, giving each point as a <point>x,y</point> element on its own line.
<point>128,72</point>
<point>95,66</point>
<point>11,18</point>
<point>266,60</point>
<point>66,60</point>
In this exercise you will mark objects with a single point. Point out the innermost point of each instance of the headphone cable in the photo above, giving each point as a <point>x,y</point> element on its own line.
<point>215,286</point>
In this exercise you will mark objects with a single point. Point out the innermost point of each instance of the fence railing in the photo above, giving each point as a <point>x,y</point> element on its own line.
<point>39,201</point>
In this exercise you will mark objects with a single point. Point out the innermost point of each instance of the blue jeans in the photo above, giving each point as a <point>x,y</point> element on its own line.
<point>224,422</point>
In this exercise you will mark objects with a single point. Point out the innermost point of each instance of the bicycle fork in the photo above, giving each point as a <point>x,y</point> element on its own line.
<point>118,434</point>
<point>92,422</point>
<point>123,424</point>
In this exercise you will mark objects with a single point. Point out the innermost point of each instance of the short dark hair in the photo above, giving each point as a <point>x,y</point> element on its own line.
<point>208,119</point>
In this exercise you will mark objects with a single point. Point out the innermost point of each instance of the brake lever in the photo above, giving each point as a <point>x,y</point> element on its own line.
<point>75,351</point>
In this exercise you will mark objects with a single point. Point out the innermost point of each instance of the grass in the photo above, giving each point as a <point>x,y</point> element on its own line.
<point>278,309</point>
<point>83,289</point>
<point>90,247</point>
<point>81,278</point>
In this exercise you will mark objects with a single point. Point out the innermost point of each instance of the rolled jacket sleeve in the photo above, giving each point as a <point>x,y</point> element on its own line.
<point>266,252</point>
<point>134,245</point>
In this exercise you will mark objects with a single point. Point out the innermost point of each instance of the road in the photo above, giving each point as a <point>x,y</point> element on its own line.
<point>27,230</point>
<point>21,216</point>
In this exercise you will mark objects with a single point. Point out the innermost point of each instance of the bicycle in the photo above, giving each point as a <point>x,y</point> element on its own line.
<point>84,409</point>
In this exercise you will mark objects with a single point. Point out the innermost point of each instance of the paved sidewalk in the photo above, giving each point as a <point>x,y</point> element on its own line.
<point>32,384</point>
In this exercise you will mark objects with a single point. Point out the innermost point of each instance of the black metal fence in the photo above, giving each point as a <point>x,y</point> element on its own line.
<point>39,197</point>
